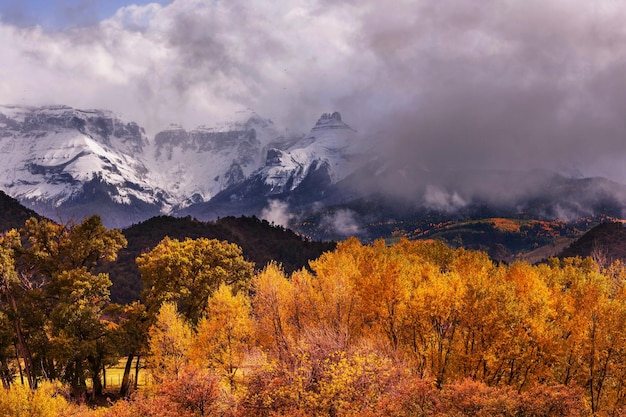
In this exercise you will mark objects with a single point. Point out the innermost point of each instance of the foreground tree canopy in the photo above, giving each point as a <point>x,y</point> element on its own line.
<point>416,328</point>
<point>54,301</point>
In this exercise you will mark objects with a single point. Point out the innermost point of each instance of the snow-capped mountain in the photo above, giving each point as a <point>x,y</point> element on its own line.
<point>301,173</point>
<point>62,162</point>
<point>67,163</point>
<point>198,164</point>
<point>331,145</point>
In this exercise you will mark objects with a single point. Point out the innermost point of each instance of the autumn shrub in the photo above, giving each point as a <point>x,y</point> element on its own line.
<point>198,392</point>
<point>473,398</point>
<point>554,401</point>
<point>406,396</point>
<point>46,401</point>
<point>141,404</point>
<point>342,383</point>
<point>192,393</point>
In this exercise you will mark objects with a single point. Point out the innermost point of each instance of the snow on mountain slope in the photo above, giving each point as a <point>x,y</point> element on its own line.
<point>331,144</point>
<point>59,160</point>
<point>200,163</point>
<point>301,175</point>
<point>48,154</point>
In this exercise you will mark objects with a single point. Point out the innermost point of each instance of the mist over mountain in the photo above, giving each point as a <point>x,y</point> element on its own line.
<point>331,182</point>
<point>461,106</point>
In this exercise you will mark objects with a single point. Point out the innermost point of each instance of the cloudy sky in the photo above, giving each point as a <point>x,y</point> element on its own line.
<point>449,83</point>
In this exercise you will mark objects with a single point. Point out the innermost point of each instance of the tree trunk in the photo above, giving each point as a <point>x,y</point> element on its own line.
<point>126,378</point>
<point>21,345</point>
<point>6,373</point>
<point>78,385</point>
<point>96,379</point>
<point>137,371</point>
<point>51,370</point>
<point>19,363</point>
<point>97,386</point>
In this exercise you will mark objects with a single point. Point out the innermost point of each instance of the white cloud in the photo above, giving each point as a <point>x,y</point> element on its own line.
<point>437,198</point>
<point>277,212</point>
<point>342,222</point>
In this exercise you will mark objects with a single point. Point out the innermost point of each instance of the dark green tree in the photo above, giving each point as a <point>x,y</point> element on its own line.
<point>12,288</point>
<point>61,293</point>
<point>131,339</point>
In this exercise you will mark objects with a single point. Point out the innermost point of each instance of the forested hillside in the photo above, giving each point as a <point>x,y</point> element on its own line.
<point>13,214</point>
<point>605,242</point>
<point>260,241</point>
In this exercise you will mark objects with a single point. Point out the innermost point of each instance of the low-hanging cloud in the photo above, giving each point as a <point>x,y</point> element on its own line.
<point>449,85</point>
<point>277,212</point>
<point>342,222</point>
<point>436,198</point>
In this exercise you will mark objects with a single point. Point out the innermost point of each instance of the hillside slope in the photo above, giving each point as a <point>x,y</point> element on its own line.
<point>605,242</point>
<point>12,213</point>
<point>260,241</point>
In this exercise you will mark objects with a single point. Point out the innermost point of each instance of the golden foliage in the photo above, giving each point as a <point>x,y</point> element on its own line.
<point>413,329</point>
<point>224,335</point>
<point>169,342</point>
<point>47,401</point>
<point>188,272</point>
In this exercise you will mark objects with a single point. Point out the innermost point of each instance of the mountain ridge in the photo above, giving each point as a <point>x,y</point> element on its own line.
<point>333,181</point>
<point>58,159</point>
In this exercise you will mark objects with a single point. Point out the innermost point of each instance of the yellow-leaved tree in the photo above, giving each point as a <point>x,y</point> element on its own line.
<point>169,341</point>
<point>224,334</point>
<point>334,300</point>
<point>273,293</point>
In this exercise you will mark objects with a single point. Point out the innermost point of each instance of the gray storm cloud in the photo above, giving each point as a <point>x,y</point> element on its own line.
<point>507,85</point>
<point>447,84</point>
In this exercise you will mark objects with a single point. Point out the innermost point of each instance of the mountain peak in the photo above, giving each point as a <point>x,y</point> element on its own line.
<point>330,121</point>
<point>334,116</point>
